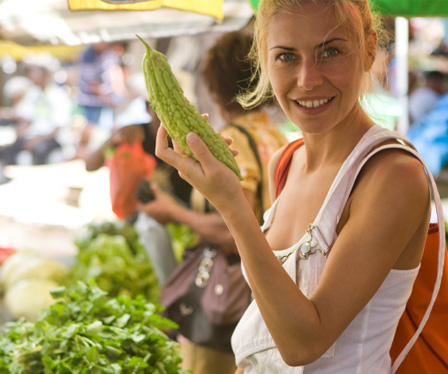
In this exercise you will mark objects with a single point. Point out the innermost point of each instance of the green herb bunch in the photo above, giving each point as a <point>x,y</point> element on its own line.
<point>89,332</point>
<point>111,254</point>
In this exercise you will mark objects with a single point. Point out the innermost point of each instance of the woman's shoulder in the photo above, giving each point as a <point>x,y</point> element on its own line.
<point>394,163</point>
<point>397,173</point>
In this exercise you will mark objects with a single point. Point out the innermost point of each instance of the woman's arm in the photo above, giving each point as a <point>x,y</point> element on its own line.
<point>386,228</point>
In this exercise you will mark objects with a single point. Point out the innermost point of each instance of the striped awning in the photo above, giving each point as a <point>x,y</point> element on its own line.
<point>51,22</point>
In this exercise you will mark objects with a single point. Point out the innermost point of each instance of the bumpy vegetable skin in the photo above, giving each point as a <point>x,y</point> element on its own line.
<point>178,115</point>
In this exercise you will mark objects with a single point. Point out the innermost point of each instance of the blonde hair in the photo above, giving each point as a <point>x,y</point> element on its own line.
<point>354,14</point>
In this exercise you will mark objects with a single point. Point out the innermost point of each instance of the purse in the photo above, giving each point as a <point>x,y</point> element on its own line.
<point>206,295</point>
<point>420,343</point>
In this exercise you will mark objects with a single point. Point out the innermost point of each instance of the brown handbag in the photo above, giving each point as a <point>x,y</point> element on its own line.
<point>206,295</point>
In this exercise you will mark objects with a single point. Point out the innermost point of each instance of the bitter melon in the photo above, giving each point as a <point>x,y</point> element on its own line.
<point>178,115</point>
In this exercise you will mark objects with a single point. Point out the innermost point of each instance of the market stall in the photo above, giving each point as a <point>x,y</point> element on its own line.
<point>65,200</point>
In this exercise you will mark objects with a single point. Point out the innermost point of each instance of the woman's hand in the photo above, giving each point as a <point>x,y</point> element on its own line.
<point>128,134</point>
<point>208,175</point>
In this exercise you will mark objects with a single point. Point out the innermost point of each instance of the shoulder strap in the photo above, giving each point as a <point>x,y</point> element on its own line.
<point>357,166</point>
<point>254,148</point>
<point>284,162</point>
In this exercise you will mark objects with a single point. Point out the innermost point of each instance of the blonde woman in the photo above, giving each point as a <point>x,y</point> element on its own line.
<point>333,301</point>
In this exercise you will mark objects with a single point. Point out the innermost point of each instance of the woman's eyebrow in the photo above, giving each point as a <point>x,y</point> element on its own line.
<point>319,46</point>
<point>325,42</point>
<point>290,49</point>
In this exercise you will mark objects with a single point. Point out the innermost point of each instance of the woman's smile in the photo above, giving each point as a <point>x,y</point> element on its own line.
<point>314,105</point>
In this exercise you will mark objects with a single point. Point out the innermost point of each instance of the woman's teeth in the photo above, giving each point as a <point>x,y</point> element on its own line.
<point>313,103</point>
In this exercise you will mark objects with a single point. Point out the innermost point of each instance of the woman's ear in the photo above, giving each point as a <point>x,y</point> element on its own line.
<point>370,50</point>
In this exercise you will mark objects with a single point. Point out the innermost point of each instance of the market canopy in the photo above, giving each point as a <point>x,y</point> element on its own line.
<point>51,22</point>
<point>80,22</point>
<point>403,8</point>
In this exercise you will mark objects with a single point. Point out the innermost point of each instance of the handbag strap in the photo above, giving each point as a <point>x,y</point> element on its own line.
<point>254,148</point>
<point>284,162</point>
<point>342,188</point>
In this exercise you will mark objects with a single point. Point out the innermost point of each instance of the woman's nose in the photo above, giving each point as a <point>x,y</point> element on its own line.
<point>309,75</point>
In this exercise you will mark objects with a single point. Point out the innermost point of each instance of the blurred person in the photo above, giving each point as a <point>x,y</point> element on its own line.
<point>134,125</point>
<point>423,99</point>
<point>14,91</point>
<point>134,109</point>
<point>40,114</point>
<point>430,136</point>
<point>100,89</point>
<point>226,72</point>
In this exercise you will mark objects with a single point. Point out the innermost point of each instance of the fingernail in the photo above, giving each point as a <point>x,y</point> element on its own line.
<point>192,138</point>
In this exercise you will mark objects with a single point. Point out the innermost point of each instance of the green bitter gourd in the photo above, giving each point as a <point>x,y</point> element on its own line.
<point>178,115</point>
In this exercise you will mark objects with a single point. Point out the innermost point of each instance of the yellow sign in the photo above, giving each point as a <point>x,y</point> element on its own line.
<point>17,52</point>
<point>211,8</point>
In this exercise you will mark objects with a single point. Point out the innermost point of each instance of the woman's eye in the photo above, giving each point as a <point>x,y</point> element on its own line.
<point>286,57</point>
<point>329,53</point>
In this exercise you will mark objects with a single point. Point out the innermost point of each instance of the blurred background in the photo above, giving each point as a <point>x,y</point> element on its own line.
<point>59,57</point>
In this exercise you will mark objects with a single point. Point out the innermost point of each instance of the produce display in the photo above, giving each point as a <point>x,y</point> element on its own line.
<point>25,281</point>
<point>100,315</point>
<point>178,115</point>
<point>111,254</point>
<point>182,237</point>
<point>87,331</point>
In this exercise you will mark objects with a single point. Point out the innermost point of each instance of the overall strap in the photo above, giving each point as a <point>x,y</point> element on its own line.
<point>440,220</point>
<point>342,188</point>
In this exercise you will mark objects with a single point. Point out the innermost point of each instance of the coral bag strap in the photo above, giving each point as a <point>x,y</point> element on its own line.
<point>281,172</point>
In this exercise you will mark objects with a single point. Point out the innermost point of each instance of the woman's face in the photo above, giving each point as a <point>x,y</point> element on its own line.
<point>314,66</point>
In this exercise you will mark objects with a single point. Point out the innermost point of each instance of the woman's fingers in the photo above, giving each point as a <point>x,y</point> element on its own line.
<point>229,141</point>
<point>200,151</point>
<point>163,149</point>
<point>186,166</point>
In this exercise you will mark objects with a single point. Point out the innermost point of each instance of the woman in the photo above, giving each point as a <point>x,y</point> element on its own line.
<point>334,304</point>
<point>225,72</point>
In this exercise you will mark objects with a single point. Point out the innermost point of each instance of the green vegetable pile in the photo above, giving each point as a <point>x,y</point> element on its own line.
<point>87,331</point>
<point>182,237</point>
<point>111,254</point>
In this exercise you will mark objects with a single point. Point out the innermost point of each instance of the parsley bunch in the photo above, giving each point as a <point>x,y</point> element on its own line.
<point>86,331</point>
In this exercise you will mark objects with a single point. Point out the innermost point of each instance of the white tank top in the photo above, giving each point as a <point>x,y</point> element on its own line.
<point>364,346</point>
